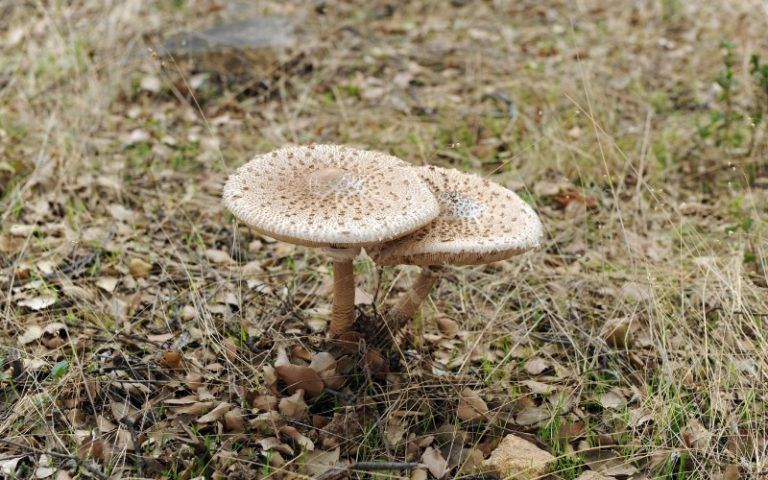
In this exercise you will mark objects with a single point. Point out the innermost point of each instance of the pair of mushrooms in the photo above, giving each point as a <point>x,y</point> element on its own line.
<point>343,199</point>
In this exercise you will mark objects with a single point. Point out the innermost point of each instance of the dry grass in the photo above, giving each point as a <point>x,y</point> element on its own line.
<point>626,124</point>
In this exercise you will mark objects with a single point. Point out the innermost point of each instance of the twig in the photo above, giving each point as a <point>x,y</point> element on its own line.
<point>136,445</point>
<point>95,471</point>
<point>341,469</point>
<point>341,395</point>
<point>374,466</point>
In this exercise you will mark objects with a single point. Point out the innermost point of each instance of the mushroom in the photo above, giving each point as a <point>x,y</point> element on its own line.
<point>480,222</point>
<point>333,197</point>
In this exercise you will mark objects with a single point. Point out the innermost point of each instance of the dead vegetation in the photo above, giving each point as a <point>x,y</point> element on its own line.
<point>142,328</point>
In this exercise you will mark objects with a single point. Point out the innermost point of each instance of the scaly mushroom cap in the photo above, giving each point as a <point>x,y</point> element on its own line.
<point>330,196</point>
<point>479,222</point>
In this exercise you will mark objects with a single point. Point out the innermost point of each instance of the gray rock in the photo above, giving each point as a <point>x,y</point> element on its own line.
<point>253,33</point>
<point>245,49</point>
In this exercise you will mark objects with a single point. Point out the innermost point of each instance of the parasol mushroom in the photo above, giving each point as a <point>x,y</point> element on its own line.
<point>333,197</point>
<point>480,222</point>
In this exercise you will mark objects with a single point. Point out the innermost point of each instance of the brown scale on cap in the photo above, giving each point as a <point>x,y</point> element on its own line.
<point>329,195</point>
<point>479,222</point>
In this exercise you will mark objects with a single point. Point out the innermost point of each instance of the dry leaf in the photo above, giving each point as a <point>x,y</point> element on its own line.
<point>294,406</point>
<point>536,366</point>
<point>613,398</point>
<point>616,331</point>
<point>318,462</point>
<point>121,213</point>
<point>538,388</point>
<point>215,414</point>
<point>171,360</point>
<point>32,333</point>
<point>300,378</point>
<point>274,443</point>
<point>219,257</point>
<point>435,463</point>
<point>160,338</point>
<point>139,268</point>
<point>230,349</point>
<point>108,284</point>
<point>45,467</point>
<point>696,435</point>
<point>37,303</point>
<point>447,327</point>
<point>532,415</point>
<point>264,402</point>
<point>233,421</point>
<point>592,475</point>
<point>196,408</point>
<point>55,335</point>
<point>302,441</point>
<point>419,474</point>
<point>471,406</point>
<point>77,293</point>
<point>322,361</point>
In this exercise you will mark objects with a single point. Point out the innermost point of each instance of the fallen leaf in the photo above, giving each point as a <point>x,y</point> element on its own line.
<point>37,303</point>
<point>294,406</point>
<point>274,443</point>
<point>55,335</point>
<point>471,406</point>
<point>230,349</point>
<point>435,463</point>
<point>160,338</point>
<point>219,257</point>
<point>121,213</point>
<point>233,421</point>
<point>32,333</point>
<point>8,466</point>
<point>592,475</point>
<point>613,399</point>
<point>616,331</point>
<point>362,297</point>
<point>300,440</point>
<point>108,284</point>
<point>636,291</point>
<point>264,402</point>
<point>318,462</point>
<point>139,268</point>
<point>45,467</point>
<point>532,415</point>
<point>447,327</point>
<point>419,474</point>
<point>536,366</point>
<point>538,388</point>
<point>171,360</point>
<point>77,293</point>
<point>215,414</point>
<point>297,377</point>
<point>196,408</point>
<point>696,435</point>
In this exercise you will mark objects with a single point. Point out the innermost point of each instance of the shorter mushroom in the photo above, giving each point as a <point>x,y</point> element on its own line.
<point>334,197</point>
<point>480,222</point>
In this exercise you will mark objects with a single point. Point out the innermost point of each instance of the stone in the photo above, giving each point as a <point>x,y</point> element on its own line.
<point>237,48</point>
<point>518,458</point>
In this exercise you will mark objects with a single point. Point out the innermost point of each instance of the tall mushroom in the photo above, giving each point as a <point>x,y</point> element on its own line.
<point>334,197</point>
<point>479,222</point>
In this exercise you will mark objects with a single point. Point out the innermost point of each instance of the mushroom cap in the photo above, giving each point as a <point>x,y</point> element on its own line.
<point>330,196</point>
<point>479,222</point>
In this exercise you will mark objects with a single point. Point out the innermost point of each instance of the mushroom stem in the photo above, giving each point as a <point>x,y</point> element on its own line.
<point>410,301</point>
<point>343,310</point>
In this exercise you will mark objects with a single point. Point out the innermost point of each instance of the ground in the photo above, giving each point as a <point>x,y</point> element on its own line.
<point>140,323</point>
